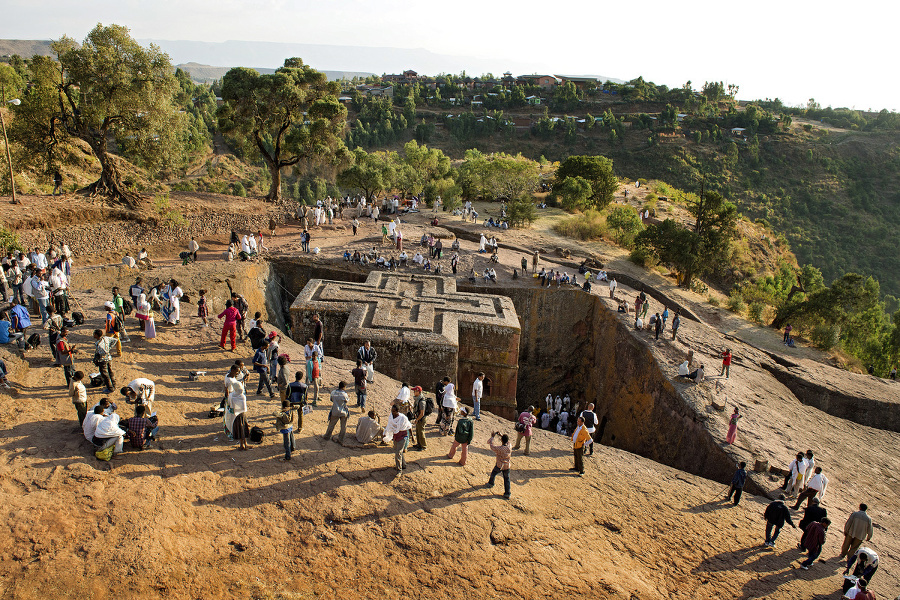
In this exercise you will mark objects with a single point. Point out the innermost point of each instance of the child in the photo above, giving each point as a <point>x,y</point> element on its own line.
<point>202,308</point>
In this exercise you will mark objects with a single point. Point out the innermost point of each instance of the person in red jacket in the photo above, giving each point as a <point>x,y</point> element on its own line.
<point>726,363</point>
<point>813,540</point>
<point>231,315</point>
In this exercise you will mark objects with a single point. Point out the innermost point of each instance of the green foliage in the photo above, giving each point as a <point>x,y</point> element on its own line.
<point>755,311</point>
<point>521,211</point>
<point>736,302</point>
<point>589,226</point>
<point>370,173</point>
<point>290,116</point>
<point>238,190</point>
<point>698,250</point>
<point>626,224</point>
<point>107,87</point>
<point>712,300</point>
<point>497,176</point>
<point>574,193</point>
<point>597,171</point>
<point>9,240</point>
<point>165,212</point>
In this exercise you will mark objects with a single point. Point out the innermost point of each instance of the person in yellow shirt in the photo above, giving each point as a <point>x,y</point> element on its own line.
<point>579,439</point>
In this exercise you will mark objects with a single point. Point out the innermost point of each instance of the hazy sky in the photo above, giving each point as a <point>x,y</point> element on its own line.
<point>840,54</point>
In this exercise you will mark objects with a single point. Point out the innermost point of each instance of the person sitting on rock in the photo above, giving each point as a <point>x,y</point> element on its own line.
<point>347,255</point>
<point>696,376</point>
<point>455,245</point>
<point>473,275</point>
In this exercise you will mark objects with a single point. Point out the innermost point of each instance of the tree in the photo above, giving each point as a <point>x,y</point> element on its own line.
<point>598,171</point>
<point>698,250</point>
<point>371,173</point>
<point>107,87</point>
<point>713,90</point>
<point>574,193</point>
<point>497,175</point>
<point>626,222</point>
<point>421,166</point>
<point>521,211</point>
<point>10,83</point>
<point>289,116</point>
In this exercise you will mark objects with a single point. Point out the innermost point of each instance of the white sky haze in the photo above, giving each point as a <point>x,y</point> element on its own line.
<point>840,54</point>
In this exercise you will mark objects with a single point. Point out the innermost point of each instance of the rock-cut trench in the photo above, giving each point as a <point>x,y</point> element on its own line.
<point>572,343</point>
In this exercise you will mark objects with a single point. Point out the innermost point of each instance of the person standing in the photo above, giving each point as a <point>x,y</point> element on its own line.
<point>229,327</point>
<point>367,355</point>
<point>813,512</point>
<point>737,483</point>
<point>193,247</point>
<point>421,407</point>
<point>319,334</point>
<point>816,486</point>
<point>676,323</point>
<point>726,363</point>
<point>359,383</point>
<point>64,352</point>
<point>776,515</point>
<point>465,432</point>
<point>57,183</point>
<point>78,393</point>
<point>857,529</point>
<point>731,436</point>
<point>787,332</point>
<point>448,406</point>
<point>339,412</point>
<point>284,422</point>
<point>354,224</point>
<point>503,453</point>
<point>579,439</point>
<point>535,258</point>
<point>813,540</point>
<point>103,359</point>
<point>397,431</point>
<point>657,325</point>
<point>523,429</point>
<point>175,295</point>
<point>477,391</point>
<point>524,265</point>
<point>261,366</point>
<point>590,423</point>
<point>313,368</point>
<point>237,407</point>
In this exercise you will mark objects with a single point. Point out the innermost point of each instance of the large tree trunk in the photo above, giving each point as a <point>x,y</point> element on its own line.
<point>110,183</point>
<point>275,188</point>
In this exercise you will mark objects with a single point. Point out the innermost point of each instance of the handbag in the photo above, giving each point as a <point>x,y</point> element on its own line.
<point>520,427</point>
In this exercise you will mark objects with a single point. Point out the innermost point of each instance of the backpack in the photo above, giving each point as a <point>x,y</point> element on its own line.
<point>127,307</point>
<point>429,406</point>
<point>117,324</point>
<point>34,340</point>
<point>96,380</point>
<point>257,435</point>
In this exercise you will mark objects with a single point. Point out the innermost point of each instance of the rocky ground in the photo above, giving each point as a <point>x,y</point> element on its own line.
<point>194,518</point>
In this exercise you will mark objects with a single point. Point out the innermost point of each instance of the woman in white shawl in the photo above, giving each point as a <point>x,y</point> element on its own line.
<point>236,414</point>
<point>175,294</point>
<point>142,311</point>
<point>245,245</point>
<point>481,243</point>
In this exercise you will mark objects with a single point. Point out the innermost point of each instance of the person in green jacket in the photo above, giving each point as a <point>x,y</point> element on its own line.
<point>465,431</point>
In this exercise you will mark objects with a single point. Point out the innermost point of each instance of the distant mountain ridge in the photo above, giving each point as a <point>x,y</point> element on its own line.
<point>336,61</point>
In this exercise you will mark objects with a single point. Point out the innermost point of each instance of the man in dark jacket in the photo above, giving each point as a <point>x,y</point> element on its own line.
<point>776,515</point>
<point>465,431</point>
<point>813,512</point>
<point>737,483</point>
<point>813,540</point>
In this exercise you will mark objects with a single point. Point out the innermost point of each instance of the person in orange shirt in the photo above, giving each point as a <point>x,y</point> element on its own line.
<point>579,439</point>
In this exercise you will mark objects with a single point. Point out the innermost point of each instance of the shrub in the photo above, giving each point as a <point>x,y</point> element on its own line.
<point>9,240</point>
<point>755,311</point>
<point>642,257</point>
<point>589,226</point>
<point>238,190</point>
<point>713,301</point>
<point>825,337</point>
<point>736,303</point>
